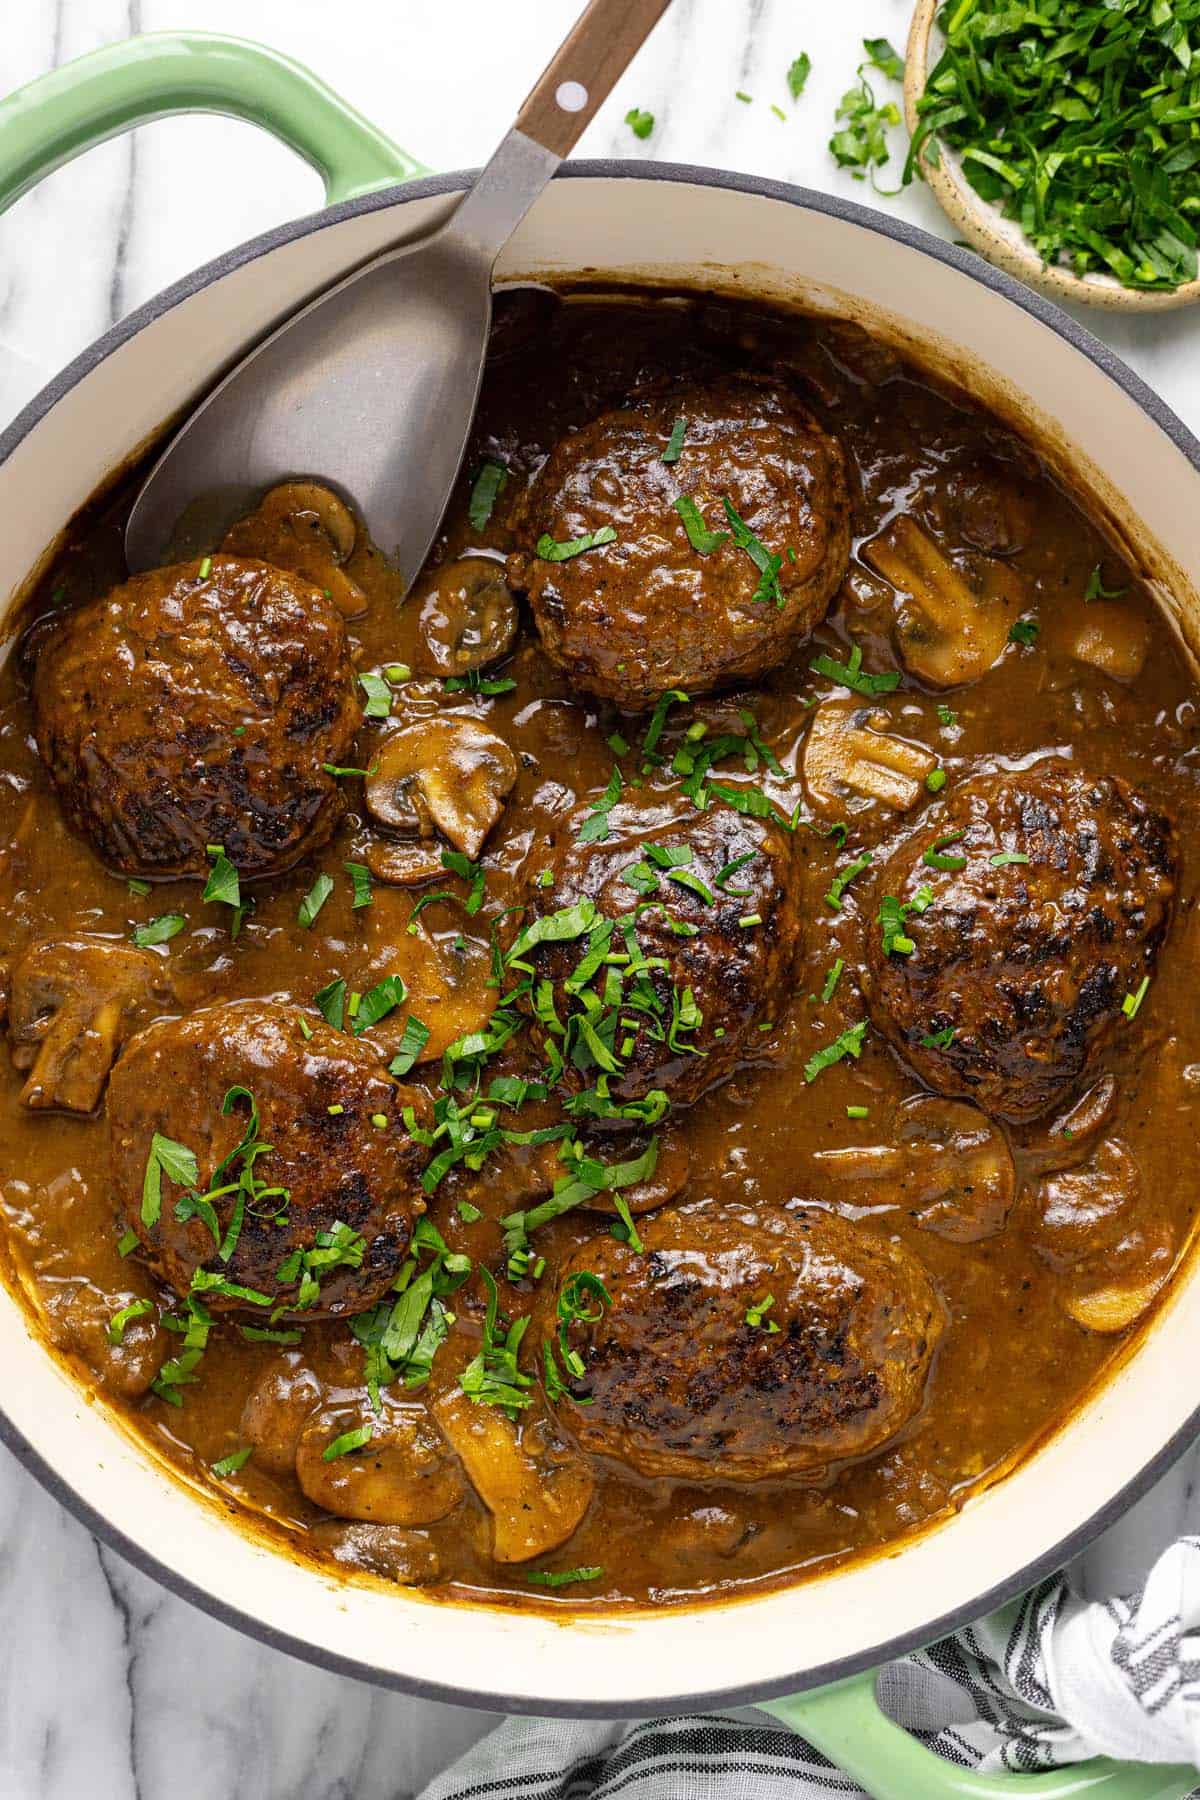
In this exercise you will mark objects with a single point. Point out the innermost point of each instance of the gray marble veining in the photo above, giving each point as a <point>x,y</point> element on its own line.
<point>109,1685</point>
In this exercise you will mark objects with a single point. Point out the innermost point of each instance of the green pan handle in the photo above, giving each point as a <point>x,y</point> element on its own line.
<point>53,119</point>
<point>846,1723</point>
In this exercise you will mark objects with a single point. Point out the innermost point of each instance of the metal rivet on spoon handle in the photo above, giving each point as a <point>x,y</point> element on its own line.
<point>372,386</point>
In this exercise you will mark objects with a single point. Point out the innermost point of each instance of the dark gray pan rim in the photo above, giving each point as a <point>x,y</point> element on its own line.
<point>111,1534</point>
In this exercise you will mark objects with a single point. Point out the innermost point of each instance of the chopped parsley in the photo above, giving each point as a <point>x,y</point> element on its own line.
<point>935,781</point>
<point>377,1003</point>
<point>1024,631</point>
<point>623,1227</point>
<point>890,917</point>
<point>1003,859</point>
<point>938,1040</point>
<point>136,1309</point>
<point>330,1002</point>
<point>1096,590</point>
<point>475,682</point>
<point>379,696</point>
<point>138,888</point>
<point>583,1300</point>
<point>485,491</point>
<point>675,441</point>
<point>555,1578</point>
<point>470,872</point>
<point>831,980</point>
<point>850,674</point>
<point>222,885</point>
<point>265,1334</point>
<point>595,827</point>
<point>850,1043</point>
<point>640,123</point>
<point>1131,1004</point>
<point>721,878</point>
<point>1078,121</point>
<point>550,551</point>
<point>756,1314</point>
<point>176,1162</point>
<point>360,882</point>
<point>400,1337</point>
<point>842,880</point>
<point>492,1378</point>
<point>764,560</point>
<point>194,1325</point>
<point>947,717</point>
<point>798,74</point>
<point>413,1040</point>
<point>861,145</point>
<point>560,927</point>
<point>885,57</point>
<point>702,540</point>
<point>348,1442</point>
<point>158,931</point>
<point>935,858</point>
<point>128,1242</point>
<point>229,1465</point>
<point>314,900</point>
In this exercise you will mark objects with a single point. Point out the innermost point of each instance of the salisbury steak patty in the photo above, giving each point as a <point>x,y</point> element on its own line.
<point>700,915</point>
<point>181,712</point>
<point>1053,893</point>
<point>337,1147</point>
<point>685,1374</point>
<point>649,611</point>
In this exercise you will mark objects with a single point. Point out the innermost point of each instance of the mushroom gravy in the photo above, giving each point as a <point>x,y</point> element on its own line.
<point>1038,1238</point>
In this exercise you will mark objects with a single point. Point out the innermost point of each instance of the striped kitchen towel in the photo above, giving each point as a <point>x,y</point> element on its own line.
<point>1048,1680</point>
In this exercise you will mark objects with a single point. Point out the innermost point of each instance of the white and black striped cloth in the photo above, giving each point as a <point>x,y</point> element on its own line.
<point>1051,1679</point>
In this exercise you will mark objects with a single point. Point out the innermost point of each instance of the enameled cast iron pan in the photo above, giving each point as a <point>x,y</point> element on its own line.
<point>648,223</point>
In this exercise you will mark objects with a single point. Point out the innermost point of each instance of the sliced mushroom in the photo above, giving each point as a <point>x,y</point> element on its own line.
<point>71,1004</point>
<point>1109,1309</point>
<point>1096,1231</point>
<point>851,759</point>
<point>79,1318</point>
<point>946,633</point>
<point>994,507</point>
<point>1114,640</point>
<point>407,1557</point>
<point>403,864</point>
<point>468,617</point>
<point>947,1164</point>
<point>534,1483</point>
<point>275,1412</point>
<point>1070,1137</point>
<point>707,1531</point>
<point>403,1475</point>
<point>449,773</point>
<point>304,527</point>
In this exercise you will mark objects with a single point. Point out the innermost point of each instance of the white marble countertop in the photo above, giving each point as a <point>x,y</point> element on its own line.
<point>110,1685</point>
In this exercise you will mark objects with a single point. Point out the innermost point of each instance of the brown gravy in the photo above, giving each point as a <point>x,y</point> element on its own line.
<point>1013,1360</point>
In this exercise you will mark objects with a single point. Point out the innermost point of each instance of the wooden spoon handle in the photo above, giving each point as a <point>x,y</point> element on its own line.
<point>585,69</point>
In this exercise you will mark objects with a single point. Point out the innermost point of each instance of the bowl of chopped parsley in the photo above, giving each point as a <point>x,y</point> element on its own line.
<point>1063,139</point>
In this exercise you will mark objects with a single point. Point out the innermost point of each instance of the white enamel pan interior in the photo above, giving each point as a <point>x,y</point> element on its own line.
<point>681,227</point>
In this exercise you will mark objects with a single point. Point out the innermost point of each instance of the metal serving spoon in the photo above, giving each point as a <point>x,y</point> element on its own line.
<point>373,386</point>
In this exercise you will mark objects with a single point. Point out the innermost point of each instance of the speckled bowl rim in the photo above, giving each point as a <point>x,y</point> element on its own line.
<point>114,1535</point>
<point>992,234</point>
